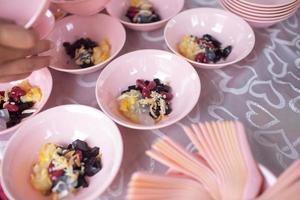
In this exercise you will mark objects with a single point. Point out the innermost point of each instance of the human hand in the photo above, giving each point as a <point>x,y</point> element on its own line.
<point>18,52</point>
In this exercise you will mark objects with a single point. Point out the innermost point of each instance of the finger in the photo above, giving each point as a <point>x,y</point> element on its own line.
<point>14,77</point>
<point>25,65</point>
<point>12,54</point>
<point>15,36</point>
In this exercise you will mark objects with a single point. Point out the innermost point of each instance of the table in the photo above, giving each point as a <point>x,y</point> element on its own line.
<point>262,91</point>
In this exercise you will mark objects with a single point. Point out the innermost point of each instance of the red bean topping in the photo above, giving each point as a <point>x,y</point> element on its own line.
<point>151,85</point>
<point>166,95</point>
<point>18,91</point>
<point>56,174</point>
<point>146,92</point>
<point>12,107</point>
<point>140,84</point>
<point>79,154</point>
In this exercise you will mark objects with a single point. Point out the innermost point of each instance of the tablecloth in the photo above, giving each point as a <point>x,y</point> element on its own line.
<point>262,91</point>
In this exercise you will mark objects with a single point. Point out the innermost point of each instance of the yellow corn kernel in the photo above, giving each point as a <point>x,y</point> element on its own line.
<point>25,85</point>
<point>134,2</point>
<point>124,105</point>
<point>40,179</point>
<point>102,52</point>
<point>188,47</point>
<point>47,153</point>
<point>126,109</point>
<point>34,94</point>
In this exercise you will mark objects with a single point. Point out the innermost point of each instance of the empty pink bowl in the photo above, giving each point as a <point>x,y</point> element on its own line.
<point>261,10</point>
<point>260,22</point>
<point>252,13</point>
<point>267,3</point>
<point>258,17</point>
<point>148,64</point>
<point>25,13</point>
<point>81,7</point>
<point>61,125</point>
<point>226,27</point>
<point>166,9</point>
<point>264,24</point>
<point>41,78</point>
<point>57,11</point>
<point>96,27</point>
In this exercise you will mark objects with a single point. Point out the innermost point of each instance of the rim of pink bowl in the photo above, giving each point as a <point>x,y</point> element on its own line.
<point>109,70</point>
<point>49,21</point>
<point>247,12</point>
<point>247,16</point>
<point>208,65</point>
<point>259,9</point>
<point>70,1</point>
<point>94,67</point>
<point>268,21</point>
<point>14,128</point>
<point>147,24</point>
<point>257,20</point>
<point>119,161</point>
<point>36,15</point>
<point>283,3</point>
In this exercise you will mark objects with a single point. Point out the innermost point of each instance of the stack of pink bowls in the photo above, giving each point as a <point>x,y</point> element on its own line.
<point>262,13</point>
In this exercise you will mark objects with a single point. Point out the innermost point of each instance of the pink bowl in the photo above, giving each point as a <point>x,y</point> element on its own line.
<point>61,125</point>
<point>264,24</point>
<point>96,27</point>
<point>166,9</point>
<point>261,10</point>
<point>41,78</point>
<point>148,64</point>
<point>259,22</point>
<point>81,7</point>
<point>259,17</point>
<point>45,24</point>
<point>57,11</point>
<point>225,26</point>
<point>252,13</point>
<point>267,3</point>
<point>24,13</point>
